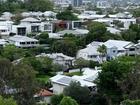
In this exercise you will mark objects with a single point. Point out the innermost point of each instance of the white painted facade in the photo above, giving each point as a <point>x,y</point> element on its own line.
<point>115,48</point>
<point>23,41</point>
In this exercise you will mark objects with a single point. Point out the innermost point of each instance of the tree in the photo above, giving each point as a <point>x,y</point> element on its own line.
<point>7,101</point>
<point>12,52</point>
<point>131,84</point>
<point>46,64</point>
<point>77,92</point>
<point>43,38</point>
<point>96,32</point>
<point>135,28</point>
<point>129,102</point>
<point>68,101</point>
<point>56,99</point>
<point>81,63</point>
<point>108,81</point>
<point>67,47</point>
<point>67,15</point>
<point>25,83</point>
<point>20,77</point>
<point>136,12</point>
<point>34,63</point>
<point>102,50</point>
<point>129,35</point>
<point>41,5</point>
<point>7,75</point>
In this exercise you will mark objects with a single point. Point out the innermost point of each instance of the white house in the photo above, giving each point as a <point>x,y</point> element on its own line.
<point>59,82</point>
<point>127,22</point>
<point>23,41</point>
<point>5,26</point>
<point>91,53</point>
<point>59,58</point>
<point>115,48</point>
<point>32,25</point>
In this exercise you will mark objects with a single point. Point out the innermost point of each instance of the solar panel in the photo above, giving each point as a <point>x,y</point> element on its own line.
<point>64,80</point>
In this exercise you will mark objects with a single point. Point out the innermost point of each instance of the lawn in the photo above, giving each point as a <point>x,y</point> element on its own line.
<point>74,73</point>
<point>43,78</point>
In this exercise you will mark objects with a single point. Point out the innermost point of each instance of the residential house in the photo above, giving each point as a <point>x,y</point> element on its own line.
<point>43,96</point>
<point>23,41</point>
<point>91,52</point>
<point>115,48</point>
<point>127,22</point>
<point>5,27</point>
<point>32,25</point>
<point>59,58</point>
<point>59,82</point>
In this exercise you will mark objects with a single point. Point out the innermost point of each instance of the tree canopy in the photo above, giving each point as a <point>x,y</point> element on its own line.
<point>7,101</point>
<point>77,92</point>
<point>68,101</point>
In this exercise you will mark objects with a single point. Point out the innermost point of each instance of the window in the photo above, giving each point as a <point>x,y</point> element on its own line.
<point>35,28</point>
<point>28,42</point>
<point>47,27</point>
<point>3,30</point>
<point>92,56</point>
<point>120,51</point>
<point>114,51</point>
<point>32,42</point>
<point>21,31</point>
<point>132,49</point>
<point>22,42</point>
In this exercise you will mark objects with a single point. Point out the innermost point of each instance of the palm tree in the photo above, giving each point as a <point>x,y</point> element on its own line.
<point>103,50</point>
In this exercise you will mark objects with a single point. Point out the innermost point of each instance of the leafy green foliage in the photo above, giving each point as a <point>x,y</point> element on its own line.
<point>20,77</point>
<point>7,101</point>
<point>68,101</point>
<point>102,49</point>
<point>56,99</point>
<point>67,47</point>
<point>25,83</point>
<point>112,74</point>
<point>75,91</point>
<point>27,5</point>
<point>81,63</point>
<point>38,5</point>
<point>136,12</point>
<point>12,52</point>
<point>132,34</point>
<point>98,32</point>
<point>129,102</point>
<point>43,38</point>
<point>67,15</point>
<point>129,35</point>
